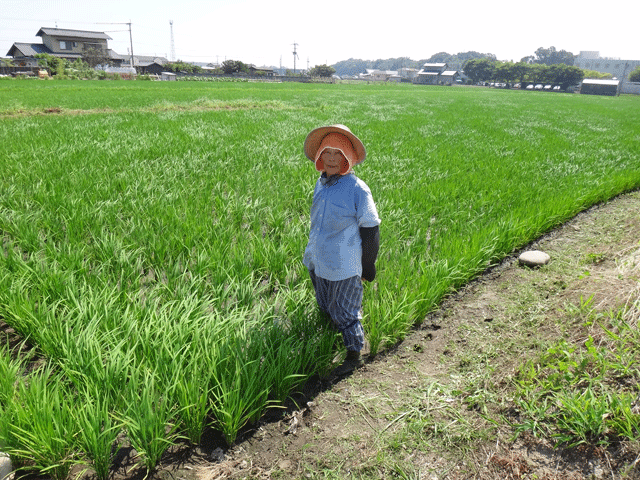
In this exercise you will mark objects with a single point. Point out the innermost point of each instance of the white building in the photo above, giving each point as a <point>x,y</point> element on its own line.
<point>620,69</point>
<point>379,75</point>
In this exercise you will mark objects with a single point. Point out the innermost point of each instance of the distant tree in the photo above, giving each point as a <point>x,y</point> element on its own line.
<point>441,57</point>
<point>350,67</point>
<point>56,65</point>
<point>521,69</point>
<point>322,71</point>
<point>506,72</point>
<point>480,70</point>
<point>472,54</point>
<point>81,69</point>
<point>536,73</point>
<point>93,55</point>
<point>596,75</point>
<point>457,61</point>
<point>6,62</point>
<point>634,76</point>
<point>551,56</point>
<point>234,66</point>
<point>181,66</point>
<point>564,75</point>
<point>392,63</point>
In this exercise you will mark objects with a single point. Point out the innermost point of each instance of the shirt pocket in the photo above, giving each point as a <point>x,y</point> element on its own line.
<point>339,217</point>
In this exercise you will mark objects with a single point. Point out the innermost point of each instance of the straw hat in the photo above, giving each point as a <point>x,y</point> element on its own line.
<point>315,137</point>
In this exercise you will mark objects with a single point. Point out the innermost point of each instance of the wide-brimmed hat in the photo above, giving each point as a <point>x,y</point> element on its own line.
<point>315,137</point>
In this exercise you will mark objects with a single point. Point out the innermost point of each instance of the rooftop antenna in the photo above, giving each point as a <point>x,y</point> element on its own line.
<point>173,45</point>
<point>295,54</point>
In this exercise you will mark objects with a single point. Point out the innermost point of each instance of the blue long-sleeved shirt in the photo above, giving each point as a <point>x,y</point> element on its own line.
<point>341,205</point>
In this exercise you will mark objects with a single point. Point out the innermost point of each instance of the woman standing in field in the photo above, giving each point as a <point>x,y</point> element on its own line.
<point>344,236</point>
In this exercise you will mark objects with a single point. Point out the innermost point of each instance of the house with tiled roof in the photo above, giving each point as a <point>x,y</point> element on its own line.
<point>62,43</point>
<point>74,44</point>
<point>142,63</point>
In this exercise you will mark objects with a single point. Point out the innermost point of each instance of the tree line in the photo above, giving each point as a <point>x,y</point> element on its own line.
<point>543,56</point>
<point>486,70</point>
<point>354,67</point>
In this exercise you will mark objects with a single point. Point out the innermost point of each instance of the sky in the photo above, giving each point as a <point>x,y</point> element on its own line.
<point>264,33</point>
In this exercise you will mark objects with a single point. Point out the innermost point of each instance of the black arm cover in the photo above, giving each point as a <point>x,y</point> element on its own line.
<point>370,245</point>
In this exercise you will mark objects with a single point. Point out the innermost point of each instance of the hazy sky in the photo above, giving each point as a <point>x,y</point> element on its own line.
<point>263,33</point>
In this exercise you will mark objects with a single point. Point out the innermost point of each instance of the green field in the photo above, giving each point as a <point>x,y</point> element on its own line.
<point>153,234</point>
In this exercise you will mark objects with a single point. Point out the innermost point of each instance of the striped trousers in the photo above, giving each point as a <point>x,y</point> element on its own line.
<point>342,301</point>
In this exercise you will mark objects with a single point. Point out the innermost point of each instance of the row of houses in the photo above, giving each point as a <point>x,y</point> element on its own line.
<point>81,44</point>
<point>74,44</point>
<point>429,74</point>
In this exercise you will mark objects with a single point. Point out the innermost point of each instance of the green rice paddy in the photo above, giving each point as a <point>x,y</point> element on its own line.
<point>152,237</point>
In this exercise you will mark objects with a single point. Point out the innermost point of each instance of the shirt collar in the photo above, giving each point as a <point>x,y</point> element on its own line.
<point>332,180</point>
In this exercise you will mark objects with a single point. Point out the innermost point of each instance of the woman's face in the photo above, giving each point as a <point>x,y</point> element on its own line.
<point>333,160</point>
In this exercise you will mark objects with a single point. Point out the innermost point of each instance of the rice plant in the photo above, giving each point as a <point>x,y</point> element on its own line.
<point>148,417</point>
<point>42,427</point>
<point>98,430</point>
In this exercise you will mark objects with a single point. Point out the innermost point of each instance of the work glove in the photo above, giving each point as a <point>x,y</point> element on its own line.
<point>370,245</point>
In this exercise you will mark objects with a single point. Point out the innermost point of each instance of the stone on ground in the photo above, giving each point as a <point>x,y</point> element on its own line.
<point>5,466</point>
<point>534,258</point>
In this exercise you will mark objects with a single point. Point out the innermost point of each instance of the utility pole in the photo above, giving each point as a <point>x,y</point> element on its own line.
<point>295,54</point>
<point>173,45</point>
<point>131,41</point>
<point>624,74</point>
<point>130,37</point>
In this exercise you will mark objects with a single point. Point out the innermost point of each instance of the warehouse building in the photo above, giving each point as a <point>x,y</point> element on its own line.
<point>600,87</point>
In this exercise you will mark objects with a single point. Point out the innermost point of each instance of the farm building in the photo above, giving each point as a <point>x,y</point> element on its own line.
<point>378,75</point>
<point>449,77</point>
<point>168,76</point>
<point>430,73</point>
<point>266,71</point>
<point>436,74</point>
<point>600,87</point>
<point>142,63</point>
<point>408,73</point>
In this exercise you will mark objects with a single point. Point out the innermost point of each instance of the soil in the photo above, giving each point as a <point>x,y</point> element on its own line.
<point>346,427</point>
